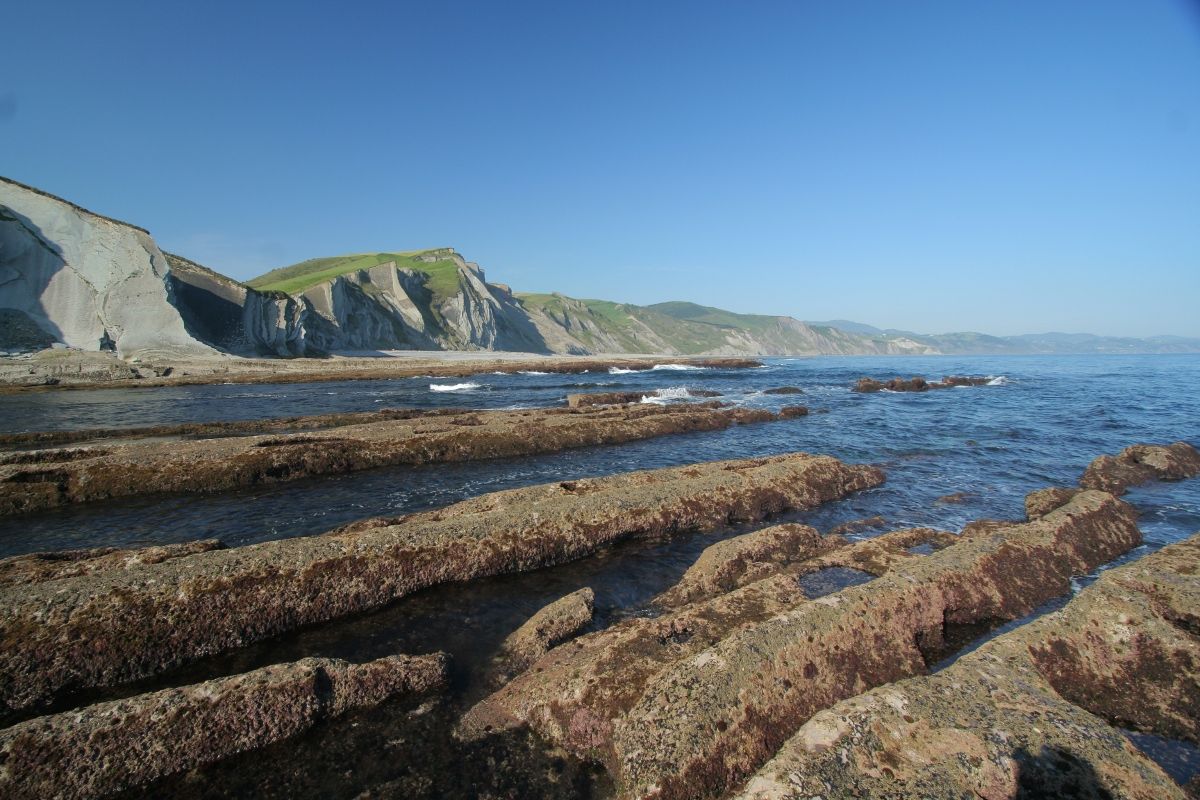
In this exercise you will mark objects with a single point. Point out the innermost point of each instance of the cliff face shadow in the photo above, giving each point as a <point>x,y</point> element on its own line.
<point>1054,773</point>
<point>28,261</point>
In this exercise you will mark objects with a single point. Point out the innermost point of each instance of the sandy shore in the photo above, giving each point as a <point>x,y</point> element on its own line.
<point>73,369</point>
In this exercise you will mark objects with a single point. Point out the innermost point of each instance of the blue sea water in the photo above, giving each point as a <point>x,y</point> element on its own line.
<point>1037,423</point>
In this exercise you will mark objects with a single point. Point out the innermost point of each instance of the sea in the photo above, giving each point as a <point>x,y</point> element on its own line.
<point>951,456</point>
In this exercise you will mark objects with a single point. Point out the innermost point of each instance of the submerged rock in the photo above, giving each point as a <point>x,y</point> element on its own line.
<point>119,625</point>
<point>1141,463</point>
<point>686,704</point>
<point>1013,717</point>
<point>41,479</point>
<point>107,747</point>
<point>621,398</point>
<point>549,627</point>
<point>784,390</point>
<point>919,384</point>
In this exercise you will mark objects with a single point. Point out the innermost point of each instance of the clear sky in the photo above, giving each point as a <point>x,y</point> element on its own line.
<point>1007,167</point>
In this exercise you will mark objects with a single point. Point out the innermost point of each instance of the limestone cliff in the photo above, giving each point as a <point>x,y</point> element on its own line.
<point>83,280</point>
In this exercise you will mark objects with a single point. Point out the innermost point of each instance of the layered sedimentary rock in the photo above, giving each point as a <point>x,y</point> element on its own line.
<point>117,625</point>
<point>40,567</point>
<point>107,747</point>
<point>918,384</point>
<point>84,280</point>
<point>732,676</point>
<point>36,480</point>
<point>1028,711</point>
<point>550,626</point>
<point>1141,463</point>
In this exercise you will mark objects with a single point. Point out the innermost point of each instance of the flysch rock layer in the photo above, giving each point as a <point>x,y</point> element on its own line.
<point>687,704</point>
<point>550,626</point>
<point>37,480</point>
<point>107,747</point>
<point>85,280</point>
<point>118,625</point>
<point>1031,711</point>
<point>39,567</point>
<point>1141,463</point>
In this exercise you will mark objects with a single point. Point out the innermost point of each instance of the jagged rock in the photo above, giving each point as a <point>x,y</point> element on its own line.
<point>784,390</point>
<point>33,481</point>
<point>40,567</point>
<point>119,625</point>
<point>1041,502</point>
<point>107,747</point>
<point>1012,718</point>
<point>734,676</point>
<point>792,412</point>
<point>549,627</point>
<point>1141,463</point>
<point>84,280</point>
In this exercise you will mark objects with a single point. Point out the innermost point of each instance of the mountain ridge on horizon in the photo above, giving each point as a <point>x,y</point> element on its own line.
<point>92,282</point>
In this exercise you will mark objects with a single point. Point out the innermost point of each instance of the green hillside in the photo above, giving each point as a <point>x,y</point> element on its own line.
<point>708,315</point>
<point>442,281</point>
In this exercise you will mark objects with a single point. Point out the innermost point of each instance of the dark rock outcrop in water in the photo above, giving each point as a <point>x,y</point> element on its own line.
<point>784,390</point>
<point>121,624</point>
<point>41,479</point>
<point>687,704</point>
<point>620,398</point>
<point>918,384</point>
<point>107,747</point>
<point>1141,463</point>
<point>1121,651</point>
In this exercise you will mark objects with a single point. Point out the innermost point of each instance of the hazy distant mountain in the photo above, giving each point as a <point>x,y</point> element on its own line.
<point>970,343</point>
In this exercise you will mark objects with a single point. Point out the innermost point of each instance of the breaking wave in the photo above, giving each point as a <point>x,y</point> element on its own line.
<point>452,387</point>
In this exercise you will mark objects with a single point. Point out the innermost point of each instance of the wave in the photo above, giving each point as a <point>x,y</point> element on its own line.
<point>677,366</point>
<point>999,380</point>
<point>621,371</point>
<point>452,387</point>
<point>664,396</point>
<point>531,372</point>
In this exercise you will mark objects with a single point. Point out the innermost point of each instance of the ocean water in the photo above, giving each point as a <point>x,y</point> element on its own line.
<point>1037,423</point>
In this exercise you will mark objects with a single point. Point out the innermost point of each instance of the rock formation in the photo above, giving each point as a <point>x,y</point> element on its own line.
<point>107,747</point>
<point>1027,712</point>
<point>40,479</point>
<point>549,627</point>
<point>85,280</point>
<point>116,625</point>
<point>918,384</point>
<point>732,676</point>
<point>1141,463</point>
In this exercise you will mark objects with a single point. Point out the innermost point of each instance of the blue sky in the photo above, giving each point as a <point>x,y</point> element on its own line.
<point>1007,167</point>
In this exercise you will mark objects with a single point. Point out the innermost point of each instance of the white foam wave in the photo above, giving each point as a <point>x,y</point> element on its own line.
<point>452,387</point>
<point>677,366</point>
<point>999,380</point>
<point>620,371</point>
<point>531,372</point>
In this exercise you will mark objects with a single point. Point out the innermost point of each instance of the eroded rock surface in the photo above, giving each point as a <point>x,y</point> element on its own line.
<point>620,398</point>
<point>686,704</point>
<point>1141,463</point>
<point>549,627</point>
<point>1041,502</point>
<point>107,747</point>
<point>39,567</point>
<point>1012,717</point>
<point>41,479</point>
<point>118,625</point>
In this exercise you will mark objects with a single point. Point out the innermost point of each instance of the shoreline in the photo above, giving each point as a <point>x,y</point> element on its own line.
<point>53,370</point>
